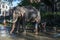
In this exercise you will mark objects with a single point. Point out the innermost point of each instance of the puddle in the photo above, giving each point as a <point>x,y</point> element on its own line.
<point>56,35</point>
<point>4,34</point>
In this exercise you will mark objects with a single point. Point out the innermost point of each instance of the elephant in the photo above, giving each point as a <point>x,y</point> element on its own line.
<point>27,14</point>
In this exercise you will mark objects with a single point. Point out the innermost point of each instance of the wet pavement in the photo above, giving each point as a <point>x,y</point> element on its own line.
<point>4,35</point>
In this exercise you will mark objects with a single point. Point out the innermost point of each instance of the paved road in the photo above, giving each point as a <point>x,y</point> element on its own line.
<point>4,35</point>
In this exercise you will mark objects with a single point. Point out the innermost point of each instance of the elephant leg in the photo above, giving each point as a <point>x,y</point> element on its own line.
<point>44,27</point>
<point>36,28</point>
<point>24,26</point>
<point>13,27</point>
<point>18,27</point>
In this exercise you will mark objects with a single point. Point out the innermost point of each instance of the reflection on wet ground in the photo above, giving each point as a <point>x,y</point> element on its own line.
<point>4,35</point>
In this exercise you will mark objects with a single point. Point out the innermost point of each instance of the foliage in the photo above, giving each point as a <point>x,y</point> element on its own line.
<point>26,2</point>
<point>49,3</point>
<point>52,18</point>
<point>37,5</point>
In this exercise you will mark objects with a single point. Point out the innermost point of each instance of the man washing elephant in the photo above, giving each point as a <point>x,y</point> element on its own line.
<point>27,14</point>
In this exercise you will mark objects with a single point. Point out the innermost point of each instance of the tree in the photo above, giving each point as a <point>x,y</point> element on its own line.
<point>35,3</point>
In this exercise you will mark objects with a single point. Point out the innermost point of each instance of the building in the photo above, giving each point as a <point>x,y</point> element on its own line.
<point>4,7</point>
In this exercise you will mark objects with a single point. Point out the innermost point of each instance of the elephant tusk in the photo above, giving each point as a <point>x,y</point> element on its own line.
<point>11,21</point>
